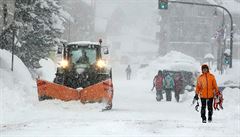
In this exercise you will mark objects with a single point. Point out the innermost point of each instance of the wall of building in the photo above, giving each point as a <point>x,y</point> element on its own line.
<point>191,29</point>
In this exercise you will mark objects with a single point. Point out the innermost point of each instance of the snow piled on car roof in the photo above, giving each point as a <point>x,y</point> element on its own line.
<point>174,60</point>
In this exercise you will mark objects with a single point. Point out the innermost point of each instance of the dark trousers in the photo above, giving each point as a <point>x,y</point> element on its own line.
<point>168,94</point>
<point>177,95</point>
<point>159,95</point>
<point>209,104</point>
<point>128,76</point>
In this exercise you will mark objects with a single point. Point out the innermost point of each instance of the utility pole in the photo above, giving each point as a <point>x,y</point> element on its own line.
<point>224,43</point>
<point>13,33</point>
<point>221,40</point>
<point>69,30</point>
<point>93,6</point>
<point>218,6</point>
<point>13,44</point>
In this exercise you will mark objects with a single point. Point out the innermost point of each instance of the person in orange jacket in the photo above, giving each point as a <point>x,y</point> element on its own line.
<point>206,88</point>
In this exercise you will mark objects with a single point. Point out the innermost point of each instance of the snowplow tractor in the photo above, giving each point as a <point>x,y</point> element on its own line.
<point>82,75</point>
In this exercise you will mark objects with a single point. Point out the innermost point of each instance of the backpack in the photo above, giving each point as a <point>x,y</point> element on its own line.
<point>168,83</point>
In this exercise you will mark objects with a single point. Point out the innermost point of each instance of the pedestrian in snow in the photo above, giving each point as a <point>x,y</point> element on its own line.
<point>128,72</point>
<point>178,82</point>
<point>158,83</point>
<point>206,88</point>
<point>168,84</point>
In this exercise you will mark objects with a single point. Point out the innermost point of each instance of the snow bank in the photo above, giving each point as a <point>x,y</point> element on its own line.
<point>20,72</point>
<point>178,61</point>
<point>173,60</point>
<point>231,77</point>
<point>47,70</point>
<point>16,87</point>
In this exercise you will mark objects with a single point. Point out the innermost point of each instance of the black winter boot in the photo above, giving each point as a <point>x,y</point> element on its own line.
<point>209,119</point>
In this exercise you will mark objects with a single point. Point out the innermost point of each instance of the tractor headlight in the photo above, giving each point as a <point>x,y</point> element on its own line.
<point>101,63</point>
<point>64,63</point>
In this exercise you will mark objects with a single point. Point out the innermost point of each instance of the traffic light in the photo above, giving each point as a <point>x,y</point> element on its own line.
<point>162,4</point>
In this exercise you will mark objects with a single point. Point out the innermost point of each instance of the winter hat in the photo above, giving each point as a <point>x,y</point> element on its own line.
<point>205,66</point>
<point>159,72</point>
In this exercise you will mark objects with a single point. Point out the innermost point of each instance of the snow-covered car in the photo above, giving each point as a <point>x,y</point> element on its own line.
<point>173,62</point>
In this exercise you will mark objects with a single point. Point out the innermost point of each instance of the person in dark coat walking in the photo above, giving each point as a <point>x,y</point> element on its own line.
<point>178,82</point>
<point>128,72</point>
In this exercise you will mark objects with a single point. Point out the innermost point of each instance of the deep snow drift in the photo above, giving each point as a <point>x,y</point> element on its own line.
<point>135,111</point>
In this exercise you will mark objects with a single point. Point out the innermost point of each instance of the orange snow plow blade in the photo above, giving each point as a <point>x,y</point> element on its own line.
<point>100,92</point>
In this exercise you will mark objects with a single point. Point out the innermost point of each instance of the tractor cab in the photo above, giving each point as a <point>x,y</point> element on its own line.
<point>82,65</point>
<point>81,55</point>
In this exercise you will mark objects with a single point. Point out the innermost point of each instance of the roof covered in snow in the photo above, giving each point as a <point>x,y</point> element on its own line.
<point>83,43</point>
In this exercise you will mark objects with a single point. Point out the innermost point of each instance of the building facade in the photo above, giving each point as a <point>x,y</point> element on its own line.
<point>191,29</point>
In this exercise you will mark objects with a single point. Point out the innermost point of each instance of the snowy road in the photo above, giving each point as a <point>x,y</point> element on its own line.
<point>135,113</point>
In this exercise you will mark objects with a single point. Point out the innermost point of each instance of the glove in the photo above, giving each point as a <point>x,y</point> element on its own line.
<point>196,97</point>
<point>196,107</point>
<point>152,89</point>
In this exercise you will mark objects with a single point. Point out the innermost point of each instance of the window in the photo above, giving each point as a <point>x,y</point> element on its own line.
<point>83,56</point>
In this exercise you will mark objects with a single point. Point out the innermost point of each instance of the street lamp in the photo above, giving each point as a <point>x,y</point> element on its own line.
<point>13,33</point>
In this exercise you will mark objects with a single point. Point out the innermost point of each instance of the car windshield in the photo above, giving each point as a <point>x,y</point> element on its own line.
<point>83,56</point>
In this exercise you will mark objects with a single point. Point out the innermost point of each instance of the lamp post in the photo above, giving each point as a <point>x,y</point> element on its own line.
<point>13,34</point>
<point>218,6</point>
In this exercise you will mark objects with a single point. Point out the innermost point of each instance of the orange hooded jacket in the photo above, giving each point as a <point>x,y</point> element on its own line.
<point>206,85</point>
